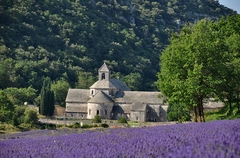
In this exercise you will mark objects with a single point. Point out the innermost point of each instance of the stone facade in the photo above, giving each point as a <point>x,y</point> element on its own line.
<point>112,99</point>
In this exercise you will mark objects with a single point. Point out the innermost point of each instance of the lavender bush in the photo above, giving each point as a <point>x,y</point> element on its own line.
<point>213,139</point>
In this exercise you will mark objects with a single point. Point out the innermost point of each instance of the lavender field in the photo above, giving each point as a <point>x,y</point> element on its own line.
<point>219,139</point>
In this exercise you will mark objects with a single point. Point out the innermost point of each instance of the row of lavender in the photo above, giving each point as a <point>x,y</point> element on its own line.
<point>212,139</point>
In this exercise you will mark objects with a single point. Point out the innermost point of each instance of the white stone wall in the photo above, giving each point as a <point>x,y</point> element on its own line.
<point>103,110</point>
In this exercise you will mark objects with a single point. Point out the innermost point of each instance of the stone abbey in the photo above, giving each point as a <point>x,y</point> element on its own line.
<point>112,99</point>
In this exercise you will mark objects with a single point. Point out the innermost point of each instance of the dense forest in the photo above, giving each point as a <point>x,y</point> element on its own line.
<point>68,40</point>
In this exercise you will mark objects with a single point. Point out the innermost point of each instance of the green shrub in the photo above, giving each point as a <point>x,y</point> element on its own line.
<point>70,126</point>
<point>50,126</point>
<point>97,119</point>
<point>60,126</point>
<point>30,117</point>
<point>85,126</point>
<point>76,125</point>
<point>25,127</point>
<point>2,127</point>
<point>95,125</point>
<point>19,115</point>
<point>122,120</point>
<point>104,125</point>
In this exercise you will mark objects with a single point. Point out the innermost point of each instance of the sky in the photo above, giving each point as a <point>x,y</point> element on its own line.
<point>233,4</point>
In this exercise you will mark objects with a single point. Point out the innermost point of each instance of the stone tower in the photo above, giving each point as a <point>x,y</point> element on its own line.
<point>103,73</point>
<point>104,83</point>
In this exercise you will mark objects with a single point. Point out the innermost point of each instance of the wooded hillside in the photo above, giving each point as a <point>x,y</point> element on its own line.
<point>70,39</point>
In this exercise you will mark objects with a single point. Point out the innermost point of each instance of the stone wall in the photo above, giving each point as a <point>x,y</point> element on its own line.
<point>103,110</point>
<point>138,116</point>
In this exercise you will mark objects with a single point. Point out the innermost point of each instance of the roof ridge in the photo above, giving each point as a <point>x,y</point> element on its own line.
<point>100,97</point>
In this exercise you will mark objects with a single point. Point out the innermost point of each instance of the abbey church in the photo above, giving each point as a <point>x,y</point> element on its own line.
<point>112,99</point>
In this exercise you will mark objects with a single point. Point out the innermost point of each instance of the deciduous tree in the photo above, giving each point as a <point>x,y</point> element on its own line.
<point>6,107</point>
<point>190,66</point>
<point>60,89</point>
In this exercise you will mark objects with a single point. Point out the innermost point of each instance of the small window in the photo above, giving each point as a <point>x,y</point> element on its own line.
<point>105,112</point>
<point>136,118</point>
<point>92,92</point>
<point>103,76</point>
<point>89,112</point>
<point>97,112</point>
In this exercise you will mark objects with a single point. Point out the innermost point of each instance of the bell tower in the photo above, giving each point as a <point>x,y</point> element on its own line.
<point>104,73</point>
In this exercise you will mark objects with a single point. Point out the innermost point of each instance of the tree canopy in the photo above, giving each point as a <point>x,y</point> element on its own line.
<point>200,63</point>
<point>60,39</point>
<point>6,107</point>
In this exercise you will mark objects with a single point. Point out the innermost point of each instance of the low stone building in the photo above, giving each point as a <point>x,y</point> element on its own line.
<point>112,99</point>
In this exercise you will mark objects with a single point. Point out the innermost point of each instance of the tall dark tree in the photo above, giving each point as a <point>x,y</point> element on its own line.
<point>47,99</point>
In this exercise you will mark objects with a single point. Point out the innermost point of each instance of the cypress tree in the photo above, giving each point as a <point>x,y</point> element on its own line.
<point>42,109</point>
<point>51,103</point>
<point>47,99</point>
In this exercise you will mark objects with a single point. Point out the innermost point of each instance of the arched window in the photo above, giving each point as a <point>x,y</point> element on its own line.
<point>103,76</point>
<point>92,92</point>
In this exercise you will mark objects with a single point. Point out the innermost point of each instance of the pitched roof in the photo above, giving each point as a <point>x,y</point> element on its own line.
<point>101,97</point>
<point>103,68</point>
<point>77,95</point>
<point>138,106</point>
<point>104,84</point>
<point>117,109</point>
<point>120,85</point>
<point>138,96</point>
<point>122,108</point>
<point>74,107</point>
<point>112,84</point>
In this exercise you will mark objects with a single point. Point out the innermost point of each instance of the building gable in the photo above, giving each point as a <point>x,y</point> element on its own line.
<point>101,97</point>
